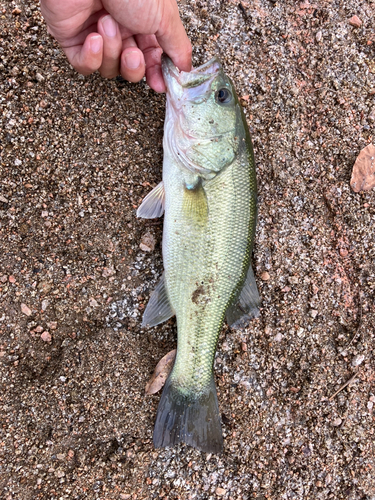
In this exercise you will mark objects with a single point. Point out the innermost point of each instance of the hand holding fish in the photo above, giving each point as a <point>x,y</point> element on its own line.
<point>118,36</point>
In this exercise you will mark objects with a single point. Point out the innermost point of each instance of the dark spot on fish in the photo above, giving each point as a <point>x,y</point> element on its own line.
<point>196,296</point>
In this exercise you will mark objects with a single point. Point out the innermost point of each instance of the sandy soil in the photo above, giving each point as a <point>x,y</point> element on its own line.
<point>77,155</point>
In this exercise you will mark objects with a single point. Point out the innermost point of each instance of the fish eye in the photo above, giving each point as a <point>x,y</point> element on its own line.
<point>223,96</point>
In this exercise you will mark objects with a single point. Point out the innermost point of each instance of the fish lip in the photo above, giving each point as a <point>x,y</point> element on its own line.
<point>189,79</point>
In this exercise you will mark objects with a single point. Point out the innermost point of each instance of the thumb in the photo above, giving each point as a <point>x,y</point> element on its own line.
<point>173,39</point>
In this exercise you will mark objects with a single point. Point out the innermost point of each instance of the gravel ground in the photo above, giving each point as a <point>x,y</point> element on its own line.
<point>77,155</point>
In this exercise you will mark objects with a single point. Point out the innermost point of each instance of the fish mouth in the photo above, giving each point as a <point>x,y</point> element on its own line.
<point>188,79</point>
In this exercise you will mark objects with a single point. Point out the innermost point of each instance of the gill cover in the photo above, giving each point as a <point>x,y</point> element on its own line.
<point>201,119</point>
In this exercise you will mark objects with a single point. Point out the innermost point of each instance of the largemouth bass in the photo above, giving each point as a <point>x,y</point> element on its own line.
<point>208,196</point>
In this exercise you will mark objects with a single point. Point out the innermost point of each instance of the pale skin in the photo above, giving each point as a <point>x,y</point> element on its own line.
<point>115,37</point>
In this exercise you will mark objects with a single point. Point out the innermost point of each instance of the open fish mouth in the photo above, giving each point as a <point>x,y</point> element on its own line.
<point>194,78</point>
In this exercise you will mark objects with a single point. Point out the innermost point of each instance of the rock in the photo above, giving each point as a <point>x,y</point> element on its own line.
<point>318,36</point>
<point>93,302</point>
<point>355,21</point>
<point>357,360</point>
<point>26,310</point>
<point>220,492</point>
<point>108,271</point>
<point>337,422</point>
<point>363,175</point>
<point>39,77</point>
<point>147,242</point>
<point>46,337</point>
<point>265,276</point>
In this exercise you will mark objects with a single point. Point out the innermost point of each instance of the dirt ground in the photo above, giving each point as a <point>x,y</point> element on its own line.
<point>77,155</point>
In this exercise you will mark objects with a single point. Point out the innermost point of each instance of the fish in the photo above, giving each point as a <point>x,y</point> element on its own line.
<point>208,195</point>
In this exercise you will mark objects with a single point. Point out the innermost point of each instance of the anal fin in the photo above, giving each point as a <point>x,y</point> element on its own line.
<point>158,308</point>
<point>246,307</point>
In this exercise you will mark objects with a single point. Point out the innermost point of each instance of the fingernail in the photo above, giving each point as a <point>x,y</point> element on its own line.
<point>132,59</point>
<point>109,26</point>
<point>96,44</point>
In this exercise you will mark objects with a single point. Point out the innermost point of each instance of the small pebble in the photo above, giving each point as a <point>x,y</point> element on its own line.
<point>93,302</point>
<point>318,36</point>
<point>265,276</point>
<point>147,242</point>
<point>357,360</point>
<point>337,422</point>
<point>220,491</point>
<point>108,271</point>
<point>12,279</point>
<point>355,21</point>
<point>46,337</point>
<point>39,77</point>
<point>314,313</point>
<point>26,310</point>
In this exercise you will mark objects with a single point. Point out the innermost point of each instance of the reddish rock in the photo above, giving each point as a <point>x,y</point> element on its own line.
<point>46,337</point>
<point>355,21</point>
<point>363,175</point>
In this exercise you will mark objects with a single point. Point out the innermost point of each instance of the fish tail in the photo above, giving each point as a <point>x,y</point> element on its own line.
<point>189,418</point>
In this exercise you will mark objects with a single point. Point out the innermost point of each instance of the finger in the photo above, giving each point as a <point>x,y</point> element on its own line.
<point>173,39</point>
<point>152,53</point>
<point>132,61</point>
<point>112,45</point>
<point>86,58</point>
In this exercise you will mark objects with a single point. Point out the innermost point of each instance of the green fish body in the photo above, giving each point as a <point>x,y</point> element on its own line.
<point>208,195</point>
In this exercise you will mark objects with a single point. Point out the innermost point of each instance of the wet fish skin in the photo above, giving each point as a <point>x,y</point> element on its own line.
<point>209,198</point>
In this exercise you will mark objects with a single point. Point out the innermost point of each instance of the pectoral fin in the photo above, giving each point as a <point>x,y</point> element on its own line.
<point>153,204</point>
<point>195,203</point>
<point>158,308</point>
<point>246,306</point>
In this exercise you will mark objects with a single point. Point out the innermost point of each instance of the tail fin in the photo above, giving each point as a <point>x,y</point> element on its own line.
<point>193,419</point>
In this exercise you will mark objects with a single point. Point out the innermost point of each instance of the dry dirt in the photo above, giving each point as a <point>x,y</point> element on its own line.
<point>77,155</point>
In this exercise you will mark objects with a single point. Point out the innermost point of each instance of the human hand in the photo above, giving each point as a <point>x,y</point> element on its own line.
<point>119,36</point>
